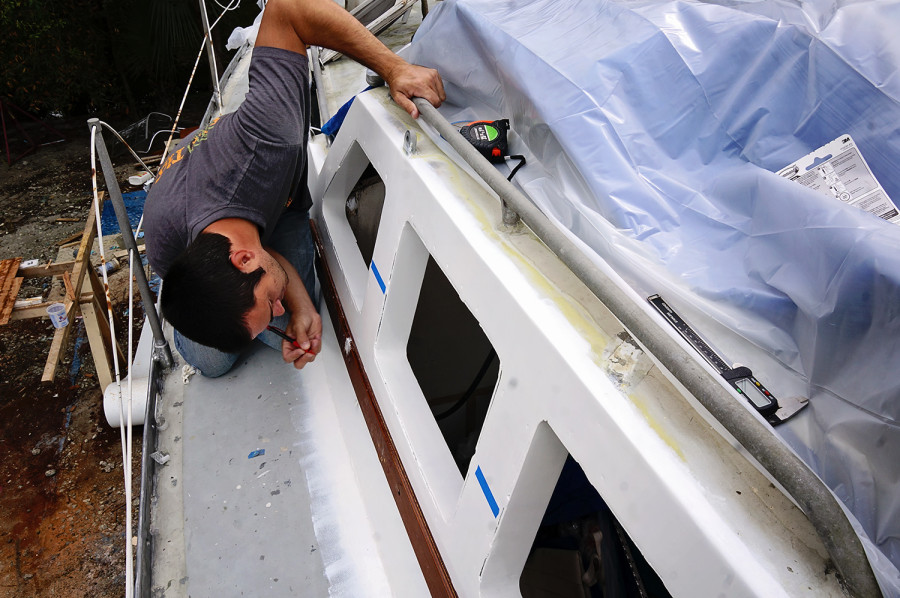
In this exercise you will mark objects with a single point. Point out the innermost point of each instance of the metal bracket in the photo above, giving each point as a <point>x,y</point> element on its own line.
<point>409,142</point>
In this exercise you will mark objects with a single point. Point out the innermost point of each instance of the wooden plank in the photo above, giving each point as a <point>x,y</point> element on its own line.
<point>8,269</point>
<point>82,259</point>
<point>123,253</point>
<point>9,287</point>
<point>39,310</point>
<point>8,302</point>
<point>82,262</point>
<point>34,311</point>
<point>94,285</point>
<point>101,301</point>
<point>67,281</point>
<point>54,269</point>
<point>70,240</point>
<point>59,341</point>
<point>93,318</point>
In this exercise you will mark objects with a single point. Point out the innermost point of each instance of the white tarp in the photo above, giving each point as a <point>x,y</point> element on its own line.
<point>654,132</point>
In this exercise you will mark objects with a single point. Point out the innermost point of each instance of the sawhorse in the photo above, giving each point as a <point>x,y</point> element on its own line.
<point>84,293</point>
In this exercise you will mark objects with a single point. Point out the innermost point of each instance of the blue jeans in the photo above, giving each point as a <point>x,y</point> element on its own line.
<point>292,239</point>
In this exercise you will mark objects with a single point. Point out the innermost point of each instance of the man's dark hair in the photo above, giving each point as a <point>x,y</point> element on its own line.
<point>205,297</point>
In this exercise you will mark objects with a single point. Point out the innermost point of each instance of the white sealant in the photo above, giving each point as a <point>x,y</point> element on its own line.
<point>342,526</point>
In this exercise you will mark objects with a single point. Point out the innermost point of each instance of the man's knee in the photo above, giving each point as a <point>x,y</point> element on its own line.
<point>214,371</point>
<point>212,363</point>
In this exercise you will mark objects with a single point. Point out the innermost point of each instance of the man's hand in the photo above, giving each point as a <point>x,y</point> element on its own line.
<point>409,80</point>
<point>306,328</point>
<point>294,25</point>
<point>306,323</point>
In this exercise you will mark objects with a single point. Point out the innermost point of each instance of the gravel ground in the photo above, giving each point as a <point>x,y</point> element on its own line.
<point>62,499</point>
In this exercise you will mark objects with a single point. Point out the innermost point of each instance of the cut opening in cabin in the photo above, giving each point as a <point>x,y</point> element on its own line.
<point>454,363</point>
<point>363,211</point>
<point>581,550</point>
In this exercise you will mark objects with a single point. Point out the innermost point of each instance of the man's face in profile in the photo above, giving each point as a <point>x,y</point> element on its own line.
<point>269,293</point>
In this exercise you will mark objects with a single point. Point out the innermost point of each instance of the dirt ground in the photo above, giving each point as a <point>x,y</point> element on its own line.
<point>62,498</point>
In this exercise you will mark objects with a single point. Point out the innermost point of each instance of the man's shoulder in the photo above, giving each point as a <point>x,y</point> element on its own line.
<point>274,109</point>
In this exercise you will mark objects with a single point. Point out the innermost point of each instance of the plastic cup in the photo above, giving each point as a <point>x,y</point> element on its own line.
<point>57,313</point>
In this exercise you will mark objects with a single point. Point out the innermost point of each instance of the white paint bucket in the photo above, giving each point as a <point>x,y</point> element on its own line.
<point>57,313</point>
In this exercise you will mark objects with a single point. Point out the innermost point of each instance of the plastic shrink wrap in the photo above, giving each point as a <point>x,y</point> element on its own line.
<point>655,132</point>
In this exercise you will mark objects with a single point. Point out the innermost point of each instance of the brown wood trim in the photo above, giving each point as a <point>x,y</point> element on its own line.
<point>430,561</point>
<point>9,287</point>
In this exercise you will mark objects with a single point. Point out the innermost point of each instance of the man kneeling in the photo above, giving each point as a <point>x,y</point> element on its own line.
<point>227,224</point>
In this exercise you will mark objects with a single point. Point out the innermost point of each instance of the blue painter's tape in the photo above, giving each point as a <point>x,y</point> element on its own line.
<point>378,278</point>
<point>487,491</point>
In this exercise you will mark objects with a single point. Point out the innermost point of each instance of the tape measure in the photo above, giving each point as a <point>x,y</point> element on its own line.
<point>489,138</point>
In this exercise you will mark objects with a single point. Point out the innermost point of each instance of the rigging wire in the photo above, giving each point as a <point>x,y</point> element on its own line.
<point>126,427</point>
<point>234,5</point>
<point>125,143</point>
<point>125,434</point>
<point>126,430</point>
<point>187,90</point>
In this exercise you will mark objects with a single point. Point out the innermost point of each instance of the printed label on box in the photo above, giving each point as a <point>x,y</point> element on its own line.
<point>838,170</point>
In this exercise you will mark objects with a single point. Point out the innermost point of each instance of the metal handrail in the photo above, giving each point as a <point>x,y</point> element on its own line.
<point>809,492</point>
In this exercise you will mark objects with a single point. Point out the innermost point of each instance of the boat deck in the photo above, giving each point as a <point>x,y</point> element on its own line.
<point>252,478</point>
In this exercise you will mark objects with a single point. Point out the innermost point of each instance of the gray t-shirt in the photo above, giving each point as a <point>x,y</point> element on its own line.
<point>249,164</point>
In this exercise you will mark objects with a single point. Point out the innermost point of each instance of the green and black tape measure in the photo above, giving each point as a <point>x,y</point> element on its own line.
<point>489,138</point>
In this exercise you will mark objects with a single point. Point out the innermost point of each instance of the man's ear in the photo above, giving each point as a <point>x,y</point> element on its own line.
<point>243,260</point>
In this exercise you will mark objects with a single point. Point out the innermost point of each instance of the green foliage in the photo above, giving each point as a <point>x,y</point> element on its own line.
<point>105,56</point>
<point>52,55</point>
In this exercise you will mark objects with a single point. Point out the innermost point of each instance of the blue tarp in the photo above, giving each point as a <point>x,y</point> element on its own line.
<point>134,207</point>
<point>654,132</point>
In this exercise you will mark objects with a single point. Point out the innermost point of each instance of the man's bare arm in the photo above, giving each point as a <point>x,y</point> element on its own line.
<point>296,24</point>
<point>306,323</point>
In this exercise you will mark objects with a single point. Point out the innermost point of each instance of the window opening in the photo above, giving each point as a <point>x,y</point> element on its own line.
<point>363,211</point>
<point>581,549</point>
<point>454,363</point>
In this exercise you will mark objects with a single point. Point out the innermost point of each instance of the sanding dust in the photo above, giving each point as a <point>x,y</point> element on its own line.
<point>340,520</point>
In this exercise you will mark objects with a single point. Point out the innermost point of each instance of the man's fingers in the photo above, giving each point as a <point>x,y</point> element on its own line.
<point>416,81</point>
<point>304,358</point>
<point>290,353</point>
<point>304,354</point>
<point>304,330</point>
<point>406,103</point>
<point>296,356</point>
<point>432,89</point>
<point>301,339</point>
<point>438,85</point>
